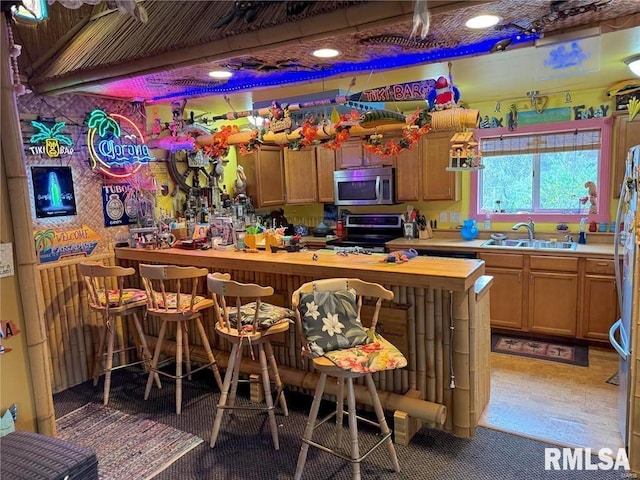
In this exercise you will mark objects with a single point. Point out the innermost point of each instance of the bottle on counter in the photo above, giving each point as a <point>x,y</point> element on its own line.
<point>339,229</point>
<point>203,214</point>
<point>487,221</point>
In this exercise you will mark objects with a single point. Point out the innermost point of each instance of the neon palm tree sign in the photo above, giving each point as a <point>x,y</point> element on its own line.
<point>55,142</point>
<point>116,145</point>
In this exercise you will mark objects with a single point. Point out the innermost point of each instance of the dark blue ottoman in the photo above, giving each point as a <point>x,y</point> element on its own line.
<point>31,456</point>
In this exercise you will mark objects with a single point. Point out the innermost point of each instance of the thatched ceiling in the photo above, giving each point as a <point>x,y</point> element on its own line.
<point>268,43</point>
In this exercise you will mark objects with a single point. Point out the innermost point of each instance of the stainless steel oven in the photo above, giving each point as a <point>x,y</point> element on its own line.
<point>364,186</point>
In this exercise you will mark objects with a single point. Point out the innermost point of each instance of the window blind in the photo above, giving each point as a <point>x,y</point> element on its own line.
<point>541,143</point>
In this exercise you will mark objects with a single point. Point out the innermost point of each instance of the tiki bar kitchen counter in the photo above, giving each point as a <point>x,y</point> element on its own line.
<point>439,319</point>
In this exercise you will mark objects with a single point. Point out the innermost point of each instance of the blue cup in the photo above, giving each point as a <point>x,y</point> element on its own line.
<point>602,227</point>
<point>612,227</point>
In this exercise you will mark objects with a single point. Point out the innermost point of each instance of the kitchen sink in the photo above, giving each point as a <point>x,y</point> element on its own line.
<point>521,243</point>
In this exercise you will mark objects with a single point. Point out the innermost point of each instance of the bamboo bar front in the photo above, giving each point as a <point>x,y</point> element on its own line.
<point>431,293</point>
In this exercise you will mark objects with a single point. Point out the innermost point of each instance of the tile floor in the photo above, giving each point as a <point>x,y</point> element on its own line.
<point>563,404</point>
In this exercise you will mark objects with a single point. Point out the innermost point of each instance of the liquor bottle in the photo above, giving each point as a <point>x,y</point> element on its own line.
<point>203,214</point>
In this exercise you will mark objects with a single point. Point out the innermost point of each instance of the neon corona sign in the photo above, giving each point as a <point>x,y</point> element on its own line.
<point>116,145</point>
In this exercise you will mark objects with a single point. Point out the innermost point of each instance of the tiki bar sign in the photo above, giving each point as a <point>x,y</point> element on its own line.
<point>48,140</point>
<point>399,92</point>
<point>116,145</point>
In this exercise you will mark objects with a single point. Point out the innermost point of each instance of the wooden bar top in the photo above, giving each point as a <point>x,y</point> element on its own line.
<point>421,272</point>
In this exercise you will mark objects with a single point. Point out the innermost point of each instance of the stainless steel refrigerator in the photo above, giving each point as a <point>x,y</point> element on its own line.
<point>623,332</point>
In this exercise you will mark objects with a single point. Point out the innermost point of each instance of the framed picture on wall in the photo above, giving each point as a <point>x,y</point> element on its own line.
<point>53,193</point>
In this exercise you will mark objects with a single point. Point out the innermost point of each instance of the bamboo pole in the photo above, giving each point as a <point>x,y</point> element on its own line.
<point>64,323</point>
<point>74,348</point>
<point>421,344</point>
<point>51,332</point>
<point>427,411</point>
<point>31,295</point>
<point>429,336</point>
<point>78,308</point>
<point>462,392</point>
<point>412,360</point>
<point>438,338</point>
<point>61,366</point>
<point>473,358</point>
<point>447,394</point>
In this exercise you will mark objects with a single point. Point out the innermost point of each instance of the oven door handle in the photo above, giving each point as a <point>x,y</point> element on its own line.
<point>378,190</point>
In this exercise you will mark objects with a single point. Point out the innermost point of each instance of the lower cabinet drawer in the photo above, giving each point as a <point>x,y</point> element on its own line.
<point>554,264</point>
<point>605,267</point>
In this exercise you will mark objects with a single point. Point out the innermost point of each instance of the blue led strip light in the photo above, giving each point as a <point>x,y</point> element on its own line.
<point>244,80</point>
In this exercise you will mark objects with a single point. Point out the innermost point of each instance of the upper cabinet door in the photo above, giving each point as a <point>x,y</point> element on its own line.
<point>408,174</point>
<point>326,163</point>
<point>350,155</point>
<point>437,183</point>
<point>375,160</point>
<point>301,176</point>
<point>626,134</point>
<point>265,175</point>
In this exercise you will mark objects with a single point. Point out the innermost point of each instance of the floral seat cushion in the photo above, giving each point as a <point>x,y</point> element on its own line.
<point>268,315</point>
<point>172,300</point>
<point>377,356</point>
<point>330,321</point>
<point>129,295</point>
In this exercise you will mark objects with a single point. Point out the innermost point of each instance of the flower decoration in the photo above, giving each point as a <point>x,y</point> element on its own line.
<point>341,136</point>
<point>253,144</point>
<point>219,147</point>
<point>309,132</point>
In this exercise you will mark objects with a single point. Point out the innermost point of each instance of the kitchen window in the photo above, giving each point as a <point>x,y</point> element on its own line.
<point>540,171</point>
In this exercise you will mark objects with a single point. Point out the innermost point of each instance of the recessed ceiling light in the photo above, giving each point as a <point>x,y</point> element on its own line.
<point>326,53</point>
<point>482,21</point>
<point>220,74</point>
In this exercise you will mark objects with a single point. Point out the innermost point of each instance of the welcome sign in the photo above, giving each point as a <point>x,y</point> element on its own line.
<point>116,145</point>
<point>52,245</point>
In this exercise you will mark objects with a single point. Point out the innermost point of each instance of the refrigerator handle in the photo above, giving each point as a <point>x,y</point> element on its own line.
<point>622,350</point>
<point>616,244</point>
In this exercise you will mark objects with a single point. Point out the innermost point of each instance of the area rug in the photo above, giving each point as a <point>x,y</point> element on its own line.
<point>553,351</point>
<point>614,380</point>
<point>128,447</point>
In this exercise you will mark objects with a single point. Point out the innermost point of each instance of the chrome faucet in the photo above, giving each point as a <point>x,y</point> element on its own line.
<point>530,226</point>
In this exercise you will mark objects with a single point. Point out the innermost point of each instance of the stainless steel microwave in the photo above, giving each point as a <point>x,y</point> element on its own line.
<point>364,186</point>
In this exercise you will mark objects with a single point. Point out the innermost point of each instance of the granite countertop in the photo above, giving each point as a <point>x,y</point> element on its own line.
<point>598,250</point>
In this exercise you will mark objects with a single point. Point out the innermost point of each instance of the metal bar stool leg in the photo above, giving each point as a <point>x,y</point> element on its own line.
<point>146,353</point>
<point>276,377</point>
<point>207,349</point>
<point>266,382</point>
<point>107,370</point>
<point>178,368</point>
<point>382,421</point>
<point>311,421</point>
<point>98,368</point>
<point>339,411</point>
<point>353,430</point>
<point>156,356</point>
<point>233,358</point>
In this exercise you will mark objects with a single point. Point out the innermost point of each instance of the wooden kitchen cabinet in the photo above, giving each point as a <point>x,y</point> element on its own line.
<point>626,134</point>
<point>508,289</point>
<point>326,165</point>
<point>437,183</point>
<point>600,299</point>
<point>264,169</point>
<point>300,172</point>
<point>408,174</point>
<point>350,155</point>
<point>553,295</point>
<point>353,155</point>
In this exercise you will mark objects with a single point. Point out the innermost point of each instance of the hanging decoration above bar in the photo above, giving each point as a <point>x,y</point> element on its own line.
<point>49,140</point>
<point>116,145</point>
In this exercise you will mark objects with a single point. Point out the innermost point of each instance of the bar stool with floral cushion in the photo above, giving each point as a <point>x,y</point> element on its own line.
<point>328,319</point>
<point>252,324</point>
<point>107,296</point>
<point>170,299</point>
